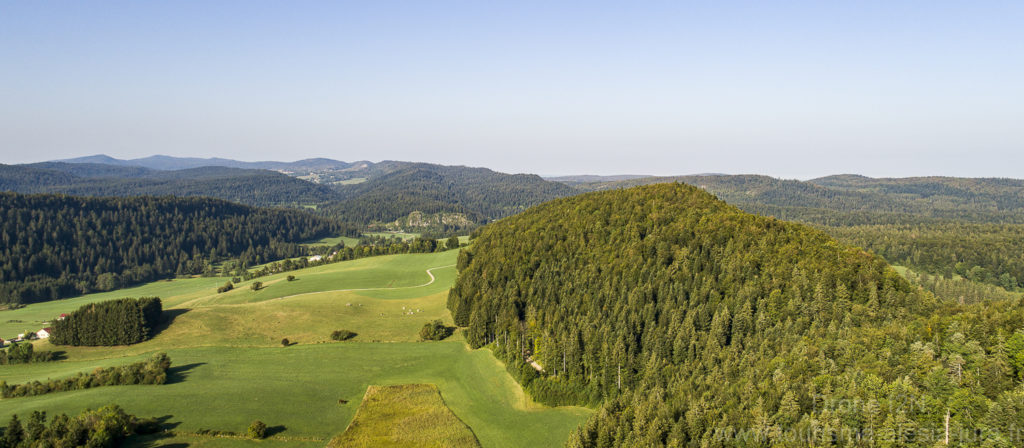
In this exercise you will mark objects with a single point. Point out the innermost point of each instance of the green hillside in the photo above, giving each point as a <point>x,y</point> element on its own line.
<point>56,246</point>
<point>246,186</point>
<point>696,324</point>
<point>479,194</point>
<point>229,367</point>
<point>970,227</point>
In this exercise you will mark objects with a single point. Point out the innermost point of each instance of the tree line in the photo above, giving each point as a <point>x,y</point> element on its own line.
<point>151,372</point>
<point>58,246</point>
<point>369,246</point>
<point>24,353</point>
<point>691,323</point>
<point>114,322</point>
<point>105,427</point>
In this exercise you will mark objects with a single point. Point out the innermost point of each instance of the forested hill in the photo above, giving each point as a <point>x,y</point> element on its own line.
<point>251,187</point>
<point>55,246</point>
<point>696,324</point>
<point>944,225</point>
<point>855,200</point>
<point>161,162</point>
<point>479,193</point>
<point>360,192</point>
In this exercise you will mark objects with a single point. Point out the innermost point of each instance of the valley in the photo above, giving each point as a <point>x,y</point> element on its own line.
<point>621,311</point>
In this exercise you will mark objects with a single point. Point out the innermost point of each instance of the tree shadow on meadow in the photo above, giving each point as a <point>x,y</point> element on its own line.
<point>275,430</point>
<point>156,439</point>
<point>167,318</point>
<point>166,424</point>
<point>177,374</point>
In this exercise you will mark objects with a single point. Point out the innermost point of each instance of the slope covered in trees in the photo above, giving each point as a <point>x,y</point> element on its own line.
<point>170,163</point>
<point>446,198</point>
<point>478,193</point>
<point>57,246</point>
<point>942,225</point>
<point>252,187</point>
<point>693,323</point>
<point>864,201</point>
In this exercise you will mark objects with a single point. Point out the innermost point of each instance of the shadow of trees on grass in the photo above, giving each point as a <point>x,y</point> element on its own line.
<point>166,319</point>
<point>177,374</point>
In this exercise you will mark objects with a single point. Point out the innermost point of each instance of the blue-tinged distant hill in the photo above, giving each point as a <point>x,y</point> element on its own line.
<point>168,163</point>
<point>245,186</point>
<point>418,196</point>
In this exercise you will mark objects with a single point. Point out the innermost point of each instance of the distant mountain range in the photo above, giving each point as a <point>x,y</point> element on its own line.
<point>386,191</point>
<point>167,163</point>
<point>969,227</point>
<point>250,187</point>
<point>591,178</point>
<point>853,199</point>
<point>372,193</point>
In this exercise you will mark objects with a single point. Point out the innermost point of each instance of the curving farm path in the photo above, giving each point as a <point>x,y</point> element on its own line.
<point>383,288</point>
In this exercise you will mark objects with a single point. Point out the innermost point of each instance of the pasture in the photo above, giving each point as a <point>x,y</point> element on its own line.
<point>229,367</point>
<point>299,388</point>
<point>406,415</point>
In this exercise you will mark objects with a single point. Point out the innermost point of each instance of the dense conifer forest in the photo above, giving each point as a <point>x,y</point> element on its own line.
<point>115,322</point>
<point>479,193</point>
<point>961,199</point>
<point>54,246</point>
<point>251,187</point>
<point>692,323</point>
<point>987,253</point>
<point>943,225</point>
<point>150,372</point>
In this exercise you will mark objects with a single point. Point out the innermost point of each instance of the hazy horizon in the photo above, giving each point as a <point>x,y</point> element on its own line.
<point>539,173</point>
<point>791,90</point>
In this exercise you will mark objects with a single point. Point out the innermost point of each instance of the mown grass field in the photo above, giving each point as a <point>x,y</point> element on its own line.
<point>230,369</point>
<point>405,415</point>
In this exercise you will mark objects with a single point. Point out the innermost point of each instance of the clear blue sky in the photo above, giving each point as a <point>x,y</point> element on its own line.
<point>791,89</point>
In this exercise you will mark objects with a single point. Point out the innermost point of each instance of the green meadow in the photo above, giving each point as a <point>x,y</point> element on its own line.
<point>333,241</point>
<point>229,367</point>
<point>385,273</point>
<point>406,415</point>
